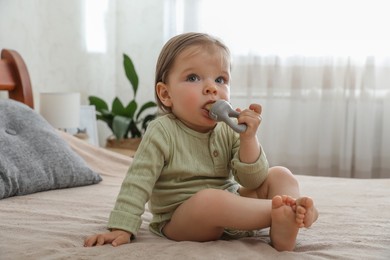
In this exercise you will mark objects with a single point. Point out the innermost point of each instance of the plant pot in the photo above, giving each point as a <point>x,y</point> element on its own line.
<point>129,143</point>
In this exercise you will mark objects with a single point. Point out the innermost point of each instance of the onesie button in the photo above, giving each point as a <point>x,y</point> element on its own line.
<point>215,153</point>
<point>10,131</point>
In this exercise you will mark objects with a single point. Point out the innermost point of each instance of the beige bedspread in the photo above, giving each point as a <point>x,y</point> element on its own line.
<point>354,222</point>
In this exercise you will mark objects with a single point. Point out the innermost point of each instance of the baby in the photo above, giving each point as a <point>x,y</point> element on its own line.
<point>204,181</point>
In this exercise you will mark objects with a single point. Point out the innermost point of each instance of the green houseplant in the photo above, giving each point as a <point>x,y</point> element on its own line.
<point>127,121</point>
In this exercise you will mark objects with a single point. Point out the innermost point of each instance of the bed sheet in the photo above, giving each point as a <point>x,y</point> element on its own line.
<point>353,223</point>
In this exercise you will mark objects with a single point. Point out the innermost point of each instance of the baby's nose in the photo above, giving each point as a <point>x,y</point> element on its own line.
<point>210,88</point>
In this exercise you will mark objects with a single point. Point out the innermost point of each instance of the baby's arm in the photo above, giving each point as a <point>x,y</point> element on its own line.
<point>249,145</point>
<point>115,237</point>
<point>135,191</point>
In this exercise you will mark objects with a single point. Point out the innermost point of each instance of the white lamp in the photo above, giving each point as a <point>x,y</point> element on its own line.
<point>61,110</point>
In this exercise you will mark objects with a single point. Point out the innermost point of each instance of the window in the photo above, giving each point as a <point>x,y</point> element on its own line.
<point>285,27</point>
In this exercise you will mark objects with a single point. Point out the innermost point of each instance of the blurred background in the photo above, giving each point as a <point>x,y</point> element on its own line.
<point>320,69</point>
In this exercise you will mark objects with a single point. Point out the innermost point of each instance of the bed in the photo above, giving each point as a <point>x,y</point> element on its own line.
<point>354,220</point>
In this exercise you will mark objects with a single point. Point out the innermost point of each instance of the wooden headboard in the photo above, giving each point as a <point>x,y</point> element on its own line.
<point>14,77</point>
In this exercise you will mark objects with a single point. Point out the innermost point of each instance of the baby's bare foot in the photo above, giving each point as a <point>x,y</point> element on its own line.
<point>284,228</point>
<point>305,214</point>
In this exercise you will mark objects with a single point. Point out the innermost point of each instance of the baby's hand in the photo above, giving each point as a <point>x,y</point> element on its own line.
<point>252,118</point>
<point>249,146</point>
<point>115,237</point>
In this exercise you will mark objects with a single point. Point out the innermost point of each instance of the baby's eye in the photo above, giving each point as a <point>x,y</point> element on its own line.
<point>192,78</point>
<point>220,80</point>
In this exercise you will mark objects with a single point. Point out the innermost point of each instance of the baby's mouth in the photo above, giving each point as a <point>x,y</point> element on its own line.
<point>208,106</point>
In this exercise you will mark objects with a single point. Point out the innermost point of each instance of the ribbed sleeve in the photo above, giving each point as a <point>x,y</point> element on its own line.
<point>138,184</point>
<point>250,175</point>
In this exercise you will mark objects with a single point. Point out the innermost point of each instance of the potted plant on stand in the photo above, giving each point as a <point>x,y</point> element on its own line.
<point>127,123</point>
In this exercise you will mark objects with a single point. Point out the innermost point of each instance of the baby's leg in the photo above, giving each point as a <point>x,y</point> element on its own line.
<point>284,229</point>
<point>306,213</point>
<point>204,216</point>
<point>281,181</point>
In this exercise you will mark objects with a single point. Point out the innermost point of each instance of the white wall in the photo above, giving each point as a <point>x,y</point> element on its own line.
<point>140,35</point>
<point>51,37</point>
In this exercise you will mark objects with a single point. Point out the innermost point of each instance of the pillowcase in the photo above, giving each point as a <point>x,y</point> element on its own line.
<point>33,157</point>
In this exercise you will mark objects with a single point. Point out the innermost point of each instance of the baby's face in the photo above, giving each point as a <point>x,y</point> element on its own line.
<point>199,76</point>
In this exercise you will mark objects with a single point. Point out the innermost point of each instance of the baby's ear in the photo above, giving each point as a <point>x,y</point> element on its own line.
<point>163,94</point>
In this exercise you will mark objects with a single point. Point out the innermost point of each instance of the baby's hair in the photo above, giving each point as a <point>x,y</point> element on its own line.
<point>174,47</point>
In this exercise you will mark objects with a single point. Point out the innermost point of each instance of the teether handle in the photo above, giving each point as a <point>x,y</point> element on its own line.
<point>239,128</point>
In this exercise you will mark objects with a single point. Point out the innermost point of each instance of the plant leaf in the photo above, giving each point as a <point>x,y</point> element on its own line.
<point>146,106</point>
<point>106,112</point>
<point>120,126</point>
<point>134,131</point>
<point>106,118</point>
<point>131,74</point>
<point>99,103</point>
<point>118,108</point>
<point>131,108</point>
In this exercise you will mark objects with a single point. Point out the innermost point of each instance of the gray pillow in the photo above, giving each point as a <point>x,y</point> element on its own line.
<point>33,157</point>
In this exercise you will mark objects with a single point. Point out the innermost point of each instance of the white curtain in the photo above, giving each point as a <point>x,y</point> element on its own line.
<point>323,114</point>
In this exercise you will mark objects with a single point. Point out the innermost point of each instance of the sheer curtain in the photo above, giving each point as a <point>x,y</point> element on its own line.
<point>320,69</point>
